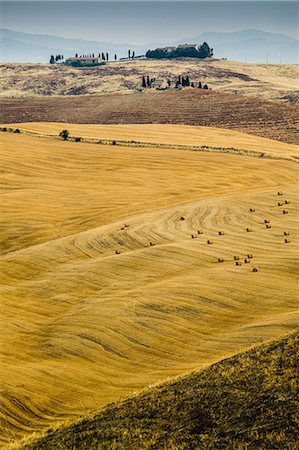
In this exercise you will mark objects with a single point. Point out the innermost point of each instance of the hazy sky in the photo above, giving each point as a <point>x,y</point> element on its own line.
<point>145,22</point>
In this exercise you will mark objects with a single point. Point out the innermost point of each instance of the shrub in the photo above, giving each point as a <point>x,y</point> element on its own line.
<point>77,139</point>
<point>17,130</point>
<point>76,64</point>
<point>64,134</point>
<point>3,129</point>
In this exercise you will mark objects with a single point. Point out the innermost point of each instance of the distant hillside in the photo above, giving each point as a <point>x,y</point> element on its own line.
<point>25,47</point>
<point>254,45</point>
<point>247,401</point>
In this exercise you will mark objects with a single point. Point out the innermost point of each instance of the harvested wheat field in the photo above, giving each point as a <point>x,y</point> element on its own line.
<point>125,266</point>
<point>247,400</point>
<point>165,135</point>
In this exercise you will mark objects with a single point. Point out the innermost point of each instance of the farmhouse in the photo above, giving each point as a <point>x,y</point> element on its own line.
<point>167,49</point>
<point>170,48</point>
<point>188,46</point>
<point>84,60</point>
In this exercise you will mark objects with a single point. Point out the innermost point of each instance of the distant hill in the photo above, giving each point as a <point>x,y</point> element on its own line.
<point>245,401</point>
<point>17,46</point>
<point>252,45</point>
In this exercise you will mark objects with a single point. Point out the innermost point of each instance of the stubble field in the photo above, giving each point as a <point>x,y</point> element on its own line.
<point>267,81</point>
<point>105,291</point>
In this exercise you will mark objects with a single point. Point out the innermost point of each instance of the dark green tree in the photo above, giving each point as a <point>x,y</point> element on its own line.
<point>157,54</point>
<point>107,57</point>
<point>143,82</point>
<point>64,134</point>
<point>52,59</point>
<point>129,54</point>
<point>115,57</point>
<point>205,51</point>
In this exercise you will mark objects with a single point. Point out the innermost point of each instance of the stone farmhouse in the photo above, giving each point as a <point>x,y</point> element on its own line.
<point>169,49</point>
<point>84,60</point>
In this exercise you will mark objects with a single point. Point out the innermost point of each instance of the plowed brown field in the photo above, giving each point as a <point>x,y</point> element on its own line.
<point>192,107</point>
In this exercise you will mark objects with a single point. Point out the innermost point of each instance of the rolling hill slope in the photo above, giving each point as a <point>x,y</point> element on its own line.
<point>189,107</point>
<point>277,82</point>
<point>247,400</point>
<point>104,291</point>
<point>184,136</point>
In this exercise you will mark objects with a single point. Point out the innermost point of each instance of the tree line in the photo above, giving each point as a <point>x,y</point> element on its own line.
<point>103,56</point>
<point>204,51</point>
<point>56,58</point>
<point>181,81</point>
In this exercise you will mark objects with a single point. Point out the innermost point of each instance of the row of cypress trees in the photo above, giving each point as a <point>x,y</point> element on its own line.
<point>182,81</point>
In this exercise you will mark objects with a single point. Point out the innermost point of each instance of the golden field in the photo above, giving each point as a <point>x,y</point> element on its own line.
<point>182,135</point>
<point>248,400</point>
<point>83,326</point>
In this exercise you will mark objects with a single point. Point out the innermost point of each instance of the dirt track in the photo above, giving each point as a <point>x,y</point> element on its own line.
<point>192,107</point>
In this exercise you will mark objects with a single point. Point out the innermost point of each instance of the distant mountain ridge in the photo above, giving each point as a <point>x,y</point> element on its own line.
<point>16,46</point>
<point>249,45</point>
<point>252,46</point>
